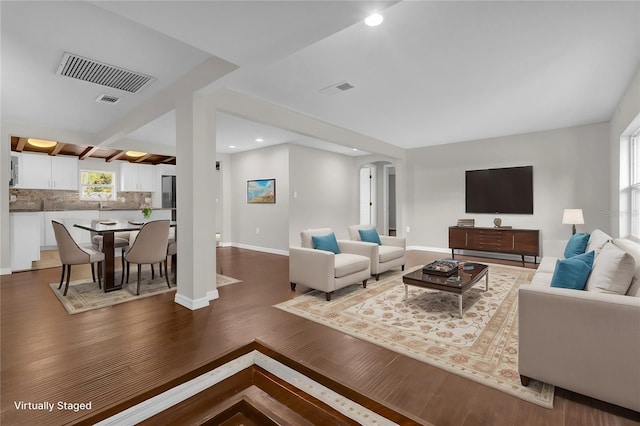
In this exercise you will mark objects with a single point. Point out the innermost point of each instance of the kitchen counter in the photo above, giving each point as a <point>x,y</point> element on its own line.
<point>124,208</point>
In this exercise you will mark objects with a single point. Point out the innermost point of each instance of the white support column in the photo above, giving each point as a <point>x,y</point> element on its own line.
<point>5,228</point>
<point>195,181</point>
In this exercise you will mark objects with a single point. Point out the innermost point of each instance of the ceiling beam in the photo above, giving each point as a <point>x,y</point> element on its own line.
<point>114,156</point>
<point>169,159</point>
<point>88,152</point>
<point>21,143</point>
<point>141,159</point>
<point>164,101</point>
<point>56,150</point>
<point>261,111</point>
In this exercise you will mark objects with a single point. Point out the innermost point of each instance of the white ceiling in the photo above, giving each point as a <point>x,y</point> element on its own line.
<point>432,73</point>
<point>35,35</point>
<point>440,72</point>
<point>234,134</point>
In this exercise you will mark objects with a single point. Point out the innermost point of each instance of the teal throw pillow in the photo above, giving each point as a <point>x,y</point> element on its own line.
<point>577,245</point>
<point>370,236</point>
<point>573,272</point>
<point>326,242</point>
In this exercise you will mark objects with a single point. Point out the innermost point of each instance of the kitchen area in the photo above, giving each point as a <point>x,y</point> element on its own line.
<point>45,187</point>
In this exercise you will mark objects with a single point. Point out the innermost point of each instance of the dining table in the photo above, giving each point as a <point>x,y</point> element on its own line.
<point>108,228</point>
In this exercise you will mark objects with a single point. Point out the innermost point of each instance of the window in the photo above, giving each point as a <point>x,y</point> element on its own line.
<point>634,184</point>
<point>97,185</point>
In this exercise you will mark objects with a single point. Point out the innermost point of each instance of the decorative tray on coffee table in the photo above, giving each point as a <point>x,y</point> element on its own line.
<point>441,267</point>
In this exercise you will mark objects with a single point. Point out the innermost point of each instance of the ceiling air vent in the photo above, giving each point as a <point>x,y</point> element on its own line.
<point>75,66</point>
<point>108,99</point>
<point>337,88</point>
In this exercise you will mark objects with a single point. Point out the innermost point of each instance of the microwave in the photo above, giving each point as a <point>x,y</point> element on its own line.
<point>13,179</point>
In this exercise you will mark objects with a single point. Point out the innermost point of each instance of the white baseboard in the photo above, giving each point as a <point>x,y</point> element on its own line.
<point>192,304</point>
<point>5,271</point>
<point>213,294</point>
<point>262,249</point>
<point>425,248</point>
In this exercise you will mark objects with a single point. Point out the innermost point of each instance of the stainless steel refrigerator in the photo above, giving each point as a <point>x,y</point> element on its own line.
<point>169,194</point>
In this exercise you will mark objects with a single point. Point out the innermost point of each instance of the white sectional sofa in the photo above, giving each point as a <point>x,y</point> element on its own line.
<point>587,341</point>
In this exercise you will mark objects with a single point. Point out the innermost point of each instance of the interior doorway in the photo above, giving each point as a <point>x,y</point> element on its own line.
<point>378,196</point>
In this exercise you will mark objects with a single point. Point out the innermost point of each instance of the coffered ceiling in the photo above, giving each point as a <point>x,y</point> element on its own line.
<point>432,73</point>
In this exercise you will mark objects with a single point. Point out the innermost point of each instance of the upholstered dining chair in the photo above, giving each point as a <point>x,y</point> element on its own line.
<point>148,247</point>
<point>389,253</point>
<point>132,237</point>
<point>172,250</point>
<point>72,254</point>
<point>120,240</point>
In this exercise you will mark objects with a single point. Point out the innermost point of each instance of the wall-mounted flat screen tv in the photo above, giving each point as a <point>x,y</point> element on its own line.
<point>506,190</point>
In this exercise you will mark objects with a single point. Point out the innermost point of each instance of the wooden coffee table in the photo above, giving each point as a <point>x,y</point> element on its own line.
<point>468,274</point>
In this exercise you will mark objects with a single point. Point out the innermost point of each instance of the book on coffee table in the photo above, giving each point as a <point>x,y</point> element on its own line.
<point>443,267</point>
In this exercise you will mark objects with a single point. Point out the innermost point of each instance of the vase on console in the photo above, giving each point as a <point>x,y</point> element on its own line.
<point>497,222</point>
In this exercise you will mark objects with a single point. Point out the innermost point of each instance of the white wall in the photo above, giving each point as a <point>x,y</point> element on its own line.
<point>326,189</point>
<point>271,219</point>
<point>570,170</point>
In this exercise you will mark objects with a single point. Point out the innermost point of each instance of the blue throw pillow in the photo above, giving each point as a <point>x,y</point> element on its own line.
<point>573,273</point>
<point>326,242</point>
<point>370,236</point>
<point>577,245</point>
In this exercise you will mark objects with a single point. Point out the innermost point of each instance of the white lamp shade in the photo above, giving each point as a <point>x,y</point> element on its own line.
<point>572,217</point>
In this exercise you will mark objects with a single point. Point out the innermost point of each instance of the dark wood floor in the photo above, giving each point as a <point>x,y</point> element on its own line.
<point>128,352</point>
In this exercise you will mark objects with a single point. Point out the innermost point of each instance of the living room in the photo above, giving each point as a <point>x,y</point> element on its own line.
<point>576,165</point>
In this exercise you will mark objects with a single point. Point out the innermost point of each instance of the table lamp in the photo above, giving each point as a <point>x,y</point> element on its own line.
<point>572,217</point>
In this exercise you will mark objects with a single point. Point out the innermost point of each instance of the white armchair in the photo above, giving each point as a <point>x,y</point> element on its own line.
<point>390,254</point>
<point>325,271</point>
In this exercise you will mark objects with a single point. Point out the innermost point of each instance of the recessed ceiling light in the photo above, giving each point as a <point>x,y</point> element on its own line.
<point>355,149</point>
<point>135,154</point>
<point>259,140</point>
<point>374,19</point>
<point>41,143</point>
<point>232,146</point>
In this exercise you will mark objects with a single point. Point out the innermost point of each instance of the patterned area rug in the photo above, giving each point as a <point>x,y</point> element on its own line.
<point>481,346</point>
<point>84,295</point>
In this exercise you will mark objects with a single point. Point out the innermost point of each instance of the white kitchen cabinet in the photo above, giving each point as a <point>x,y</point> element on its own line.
<point>136,177</point>
<point>49,236</point>
<point>41,171</point>
<point>64,172</point>
<point>36,171</point>
<point>69,218</point>
<point>25,239</point>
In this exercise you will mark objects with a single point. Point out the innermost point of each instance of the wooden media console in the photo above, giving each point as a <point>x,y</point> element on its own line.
<point>523,242</point>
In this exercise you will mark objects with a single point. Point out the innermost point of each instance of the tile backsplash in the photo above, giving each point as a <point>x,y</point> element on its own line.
<point>49,199</point>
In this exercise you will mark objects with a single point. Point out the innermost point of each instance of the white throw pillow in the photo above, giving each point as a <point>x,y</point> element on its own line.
<point>612,271</point>
<point>597,240</point>
<point>633,249</point>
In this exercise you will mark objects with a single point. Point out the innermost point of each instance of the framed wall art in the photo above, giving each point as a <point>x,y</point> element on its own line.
<point>261,191</point>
